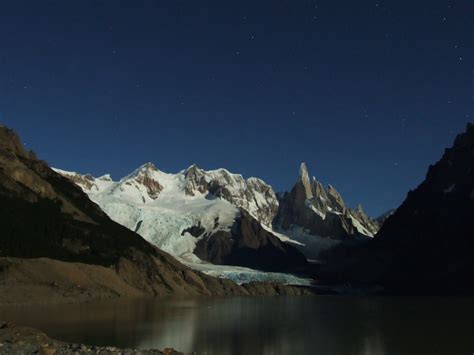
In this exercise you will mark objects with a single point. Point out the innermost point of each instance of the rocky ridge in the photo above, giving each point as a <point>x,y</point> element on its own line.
<point>428,242</point>
<point>426,246</point>
<point>322,213</point>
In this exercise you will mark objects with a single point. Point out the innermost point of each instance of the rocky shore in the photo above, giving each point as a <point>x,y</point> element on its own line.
<point>18,340</point>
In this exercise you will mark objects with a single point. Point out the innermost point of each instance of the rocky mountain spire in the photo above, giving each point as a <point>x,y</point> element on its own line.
<point>304,179</point>
<point>336,199</point>
<point>321,212</point>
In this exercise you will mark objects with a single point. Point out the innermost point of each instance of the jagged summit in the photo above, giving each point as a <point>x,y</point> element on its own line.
<point>303,171</point>
<point>146,184</point>
<point>193,166</point>
<point>321,211</point>
<point>304,179</point>
<point>144,169</point>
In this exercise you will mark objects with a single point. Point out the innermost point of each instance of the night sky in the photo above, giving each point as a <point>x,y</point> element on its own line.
<point>368,93</point>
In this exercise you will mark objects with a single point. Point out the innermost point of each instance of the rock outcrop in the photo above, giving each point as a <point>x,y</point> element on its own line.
<point>249,244</point>
<point>18,340</point>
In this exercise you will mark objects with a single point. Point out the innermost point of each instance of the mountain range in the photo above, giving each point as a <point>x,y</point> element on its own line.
<point>58,245</point>
<point>219,217</point>
<point>66,235</point>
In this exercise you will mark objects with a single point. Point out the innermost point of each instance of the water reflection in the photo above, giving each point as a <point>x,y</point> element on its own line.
<point>266,325</point>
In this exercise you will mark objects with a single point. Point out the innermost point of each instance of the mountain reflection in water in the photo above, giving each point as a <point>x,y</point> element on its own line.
<point>264,325</point>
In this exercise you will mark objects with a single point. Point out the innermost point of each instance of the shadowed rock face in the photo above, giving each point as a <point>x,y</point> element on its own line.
<point>428,242</point>
<point>45,215</point>
<point>250,245</point>
<point>383,217</point>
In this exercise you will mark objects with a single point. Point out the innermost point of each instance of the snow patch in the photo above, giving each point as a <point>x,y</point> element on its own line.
<point>310,245</point>
<point>360,228</point>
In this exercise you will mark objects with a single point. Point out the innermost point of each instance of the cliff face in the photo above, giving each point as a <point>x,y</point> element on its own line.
<point>427,244</point>
<point>429,240</point>
<point>45,215</point>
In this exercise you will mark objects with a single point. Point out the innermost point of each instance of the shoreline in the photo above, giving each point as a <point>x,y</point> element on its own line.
<point>19,340</point>
<point>49,281</point>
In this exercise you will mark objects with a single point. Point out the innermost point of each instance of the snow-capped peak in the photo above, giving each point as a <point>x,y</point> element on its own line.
<point>105,177</point>
<point>147,168</point>
<point>147,184</point>
<point>173,211</point>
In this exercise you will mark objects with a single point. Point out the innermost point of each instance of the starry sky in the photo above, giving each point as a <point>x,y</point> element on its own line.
<point>367,93</point>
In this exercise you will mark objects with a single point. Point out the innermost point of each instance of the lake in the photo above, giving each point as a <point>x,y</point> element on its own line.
<point>265,325</point>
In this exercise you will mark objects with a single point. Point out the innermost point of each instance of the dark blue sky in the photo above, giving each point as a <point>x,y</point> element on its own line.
<point>368,93</point>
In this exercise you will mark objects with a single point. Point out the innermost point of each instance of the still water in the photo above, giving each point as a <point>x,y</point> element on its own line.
<point>327,325</point>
